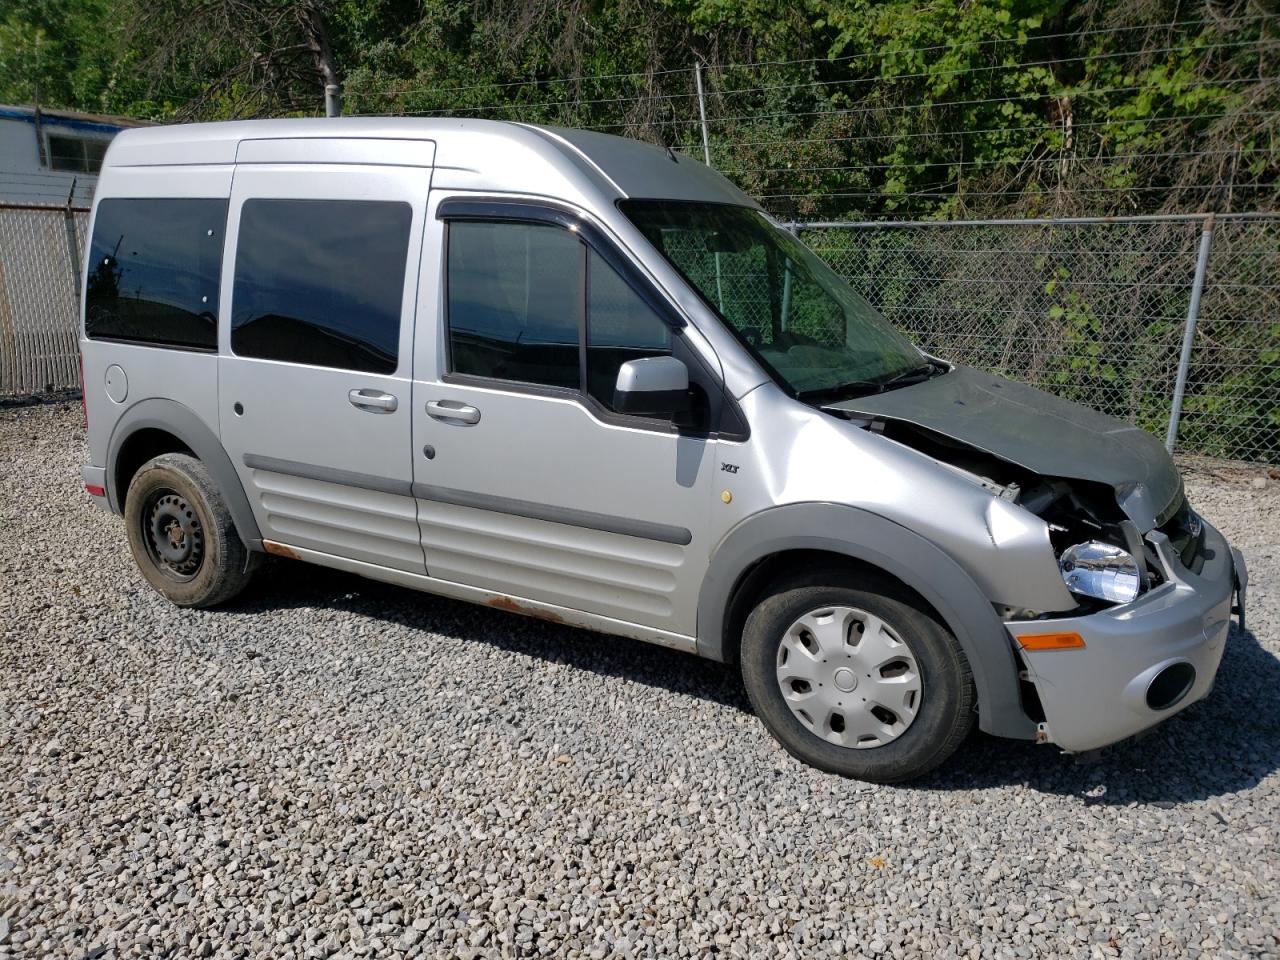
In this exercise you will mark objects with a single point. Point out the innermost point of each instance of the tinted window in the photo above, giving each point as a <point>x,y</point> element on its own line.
<point>321,282</point>
<point>620,327</point>
<point>154,269</point>
<point>515,299</point>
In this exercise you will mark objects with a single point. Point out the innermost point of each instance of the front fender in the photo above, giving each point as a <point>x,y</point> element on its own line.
<point>181,421</point>
<point>891,547</point>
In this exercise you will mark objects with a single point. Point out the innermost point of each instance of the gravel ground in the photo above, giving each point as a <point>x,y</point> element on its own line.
<point>337,767</point>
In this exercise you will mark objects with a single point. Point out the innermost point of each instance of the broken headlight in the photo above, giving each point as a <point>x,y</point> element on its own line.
<point>1100,570</point>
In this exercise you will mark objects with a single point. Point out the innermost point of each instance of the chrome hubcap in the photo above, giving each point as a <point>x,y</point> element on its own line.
<point>848,677</point>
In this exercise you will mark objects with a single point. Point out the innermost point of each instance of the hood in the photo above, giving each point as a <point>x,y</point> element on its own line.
<point>1038,432</point>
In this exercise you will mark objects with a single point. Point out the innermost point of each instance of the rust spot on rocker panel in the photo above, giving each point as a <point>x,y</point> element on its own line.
<point>511,606</point>
<point>279,550</point>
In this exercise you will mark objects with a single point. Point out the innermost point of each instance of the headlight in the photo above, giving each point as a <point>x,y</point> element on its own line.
<point>1099,570</point>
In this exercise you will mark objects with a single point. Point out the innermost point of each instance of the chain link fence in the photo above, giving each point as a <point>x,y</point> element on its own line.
<point>1092,310</point>
<point>40,253</point>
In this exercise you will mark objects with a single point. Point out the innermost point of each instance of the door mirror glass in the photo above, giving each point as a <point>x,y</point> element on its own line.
<point>652,387</point>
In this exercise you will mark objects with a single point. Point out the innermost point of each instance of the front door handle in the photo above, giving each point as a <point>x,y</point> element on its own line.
<point>374,401</point>
<point>451,411</point>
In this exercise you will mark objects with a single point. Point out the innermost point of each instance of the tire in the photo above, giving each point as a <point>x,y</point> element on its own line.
<point>181,533</point>
<point>874,649</point>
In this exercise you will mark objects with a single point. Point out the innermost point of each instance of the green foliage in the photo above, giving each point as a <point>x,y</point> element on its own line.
<point>61,51</point>
<point>841,109</point>
<point>832,109</point>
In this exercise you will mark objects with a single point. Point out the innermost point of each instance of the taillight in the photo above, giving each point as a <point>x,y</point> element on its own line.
<point>84,403</point>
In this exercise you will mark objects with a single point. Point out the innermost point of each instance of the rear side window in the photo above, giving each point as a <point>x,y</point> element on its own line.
<point>154,269</point>
<point>515,302</point>
<point>321,282</point>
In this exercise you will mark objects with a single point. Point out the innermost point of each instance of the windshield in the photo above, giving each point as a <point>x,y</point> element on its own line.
<point>808,328</point>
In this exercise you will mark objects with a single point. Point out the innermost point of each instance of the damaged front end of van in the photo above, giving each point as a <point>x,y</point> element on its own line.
<point>1150,586</point>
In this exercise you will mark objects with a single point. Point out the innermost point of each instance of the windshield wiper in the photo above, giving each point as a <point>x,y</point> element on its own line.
<point>915,375</point>
<point>855,388</point>
<point>841,391</point>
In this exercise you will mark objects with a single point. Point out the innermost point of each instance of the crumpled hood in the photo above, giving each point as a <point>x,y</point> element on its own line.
<point>1038,431</point>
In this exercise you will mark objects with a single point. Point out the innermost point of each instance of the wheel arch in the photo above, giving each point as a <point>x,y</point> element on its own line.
<point>759,546</point>
<point>156,426</point>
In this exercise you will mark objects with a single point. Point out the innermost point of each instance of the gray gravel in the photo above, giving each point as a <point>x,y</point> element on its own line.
<point>334,767</point>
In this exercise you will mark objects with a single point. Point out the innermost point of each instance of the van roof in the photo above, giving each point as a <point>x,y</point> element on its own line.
<point>469,154</point>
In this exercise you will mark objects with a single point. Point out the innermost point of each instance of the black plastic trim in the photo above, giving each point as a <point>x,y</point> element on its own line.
<point>152,344</point>
<point>918,563</point>
<point>311,471</point>
<point>511,386</point>
<point>642,529</point>
<point>177,420</point>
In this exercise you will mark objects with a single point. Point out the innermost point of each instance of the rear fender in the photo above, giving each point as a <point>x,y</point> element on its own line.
<point>181,422</point>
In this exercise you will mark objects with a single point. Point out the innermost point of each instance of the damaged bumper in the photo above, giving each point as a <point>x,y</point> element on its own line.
<point>1141,662</point>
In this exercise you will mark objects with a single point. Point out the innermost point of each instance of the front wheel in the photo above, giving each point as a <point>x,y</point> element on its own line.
<point>181,533</point>
<point>855,676</point>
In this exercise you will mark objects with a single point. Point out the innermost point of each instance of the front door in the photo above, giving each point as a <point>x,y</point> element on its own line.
<point>314,372</point>
<point>528,483</point>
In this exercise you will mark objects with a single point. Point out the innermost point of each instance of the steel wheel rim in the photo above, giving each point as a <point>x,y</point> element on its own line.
<point>848,677</point>
<point>173,534</point>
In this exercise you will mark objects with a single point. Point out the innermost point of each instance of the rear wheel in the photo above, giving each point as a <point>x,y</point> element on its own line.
<point>181,533</point>
<point>857,677</point>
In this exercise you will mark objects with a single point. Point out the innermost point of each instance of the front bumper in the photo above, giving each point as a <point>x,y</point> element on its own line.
<point>1103,692</point>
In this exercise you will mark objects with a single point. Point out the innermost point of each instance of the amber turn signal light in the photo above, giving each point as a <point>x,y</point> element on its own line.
<point>1051,641</point>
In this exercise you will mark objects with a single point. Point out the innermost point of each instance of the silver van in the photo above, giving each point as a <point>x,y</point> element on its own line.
<point>586,379</point>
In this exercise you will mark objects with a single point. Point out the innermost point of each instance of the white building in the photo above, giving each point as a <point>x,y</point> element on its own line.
<point>43,151</point>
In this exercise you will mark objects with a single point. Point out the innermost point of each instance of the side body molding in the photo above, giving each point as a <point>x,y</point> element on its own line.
<point>174,418</point>
<point>917,562</point>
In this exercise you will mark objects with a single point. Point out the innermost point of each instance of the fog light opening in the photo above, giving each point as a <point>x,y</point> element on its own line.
<point>1170,685</point>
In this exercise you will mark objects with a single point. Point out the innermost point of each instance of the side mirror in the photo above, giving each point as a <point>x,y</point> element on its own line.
<point>652,387</point>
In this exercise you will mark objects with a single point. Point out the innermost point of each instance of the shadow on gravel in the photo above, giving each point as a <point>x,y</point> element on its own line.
<point>51,398</point>
<point>1224,744</point>
<point>291,585</point>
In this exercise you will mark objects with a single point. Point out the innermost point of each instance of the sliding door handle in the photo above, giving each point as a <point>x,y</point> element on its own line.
<point>451,411</point>
<point>374,401</point>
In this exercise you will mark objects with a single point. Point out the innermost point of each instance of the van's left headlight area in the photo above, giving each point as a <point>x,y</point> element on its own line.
<point>1100,571</point>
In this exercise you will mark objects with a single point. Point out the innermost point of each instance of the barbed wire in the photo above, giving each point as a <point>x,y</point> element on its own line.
<point>966,71</point>
<point>850,58</point>
<point>532,82</point>
<point>1170,25</point>
<point>843,82</point>
<point>1013,194</point>
<point>974,131</point>
<point>1103,159</point>
<point>923,105</point>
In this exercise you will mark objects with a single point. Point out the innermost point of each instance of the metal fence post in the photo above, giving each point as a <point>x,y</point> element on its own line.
<point>73,248</point>
<point>332,100</point>
<point>1189,332</point>
<point>702,112</point>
